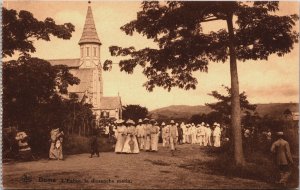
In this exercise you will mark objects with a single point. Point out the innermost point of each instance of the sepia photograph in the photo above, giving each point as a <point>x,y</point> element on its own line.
<point>113,94</point>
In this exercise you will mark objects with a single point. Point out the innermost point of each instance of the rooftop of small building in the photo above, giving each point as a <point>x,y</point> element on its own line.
<point>110,102</point>
<point>67,62</point>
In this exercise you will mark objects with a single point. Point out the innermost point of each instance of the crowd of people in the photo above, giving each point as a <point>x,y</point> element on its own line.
<point>145,135</point>
<point>131,138</point>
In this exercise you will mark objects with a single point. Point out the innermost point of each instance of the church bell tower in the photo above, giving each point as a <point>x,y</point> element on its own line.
<point>89,43</point>
<point>90,59</point>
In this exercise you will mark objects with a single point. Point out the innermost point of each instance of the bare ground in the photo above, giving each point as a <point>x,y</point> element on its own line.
<point>114,171</point>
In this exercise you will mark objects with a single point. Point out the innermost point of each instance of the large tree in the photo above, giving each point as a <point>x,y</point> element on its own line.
<point>134,112</point>
<point>254,31</point>
<point>20,29</point>
<point>223,106</point>
<point>29,83</point>
<point>33,90</point>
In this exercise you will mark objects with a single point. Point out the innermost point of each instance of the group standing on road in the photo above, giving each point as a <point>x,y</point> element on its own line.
<point>131,138</point>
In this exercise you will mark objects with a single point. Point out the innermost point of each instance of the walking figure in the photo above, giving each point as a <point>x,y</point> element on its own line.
<point>281,149</point>
<point>94,144</point>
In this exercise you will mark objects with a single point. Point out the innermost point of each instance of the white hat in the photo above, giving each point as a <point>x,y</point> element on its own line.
<point>202,123</point>
<point>140,121</point>
<point>163,123</point>
<point>215,123</point>
<point>146,119</point>
<point>119,121</point>
<point>21,135</point>
<point>207,125</point>
<point>129,121</point>
<point>172,122</point>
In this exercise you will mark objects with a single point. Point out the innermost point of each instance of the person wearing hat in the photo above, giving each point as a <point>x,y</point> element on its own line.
<point>207,140</point>
<point>94,143</point>
<point>56,144</point>
<point>201,135</point>
<point>131,145</point>
<point>183,127</point>
<point>194,133</point>
<point>120,135</point>
<point>173,136</point>
<point>25,153</point>
<point>165,134</point>
<point>180,134</point>
<point>140,134</point>
<point>154,132</point>
<point>147,140</point>
<point>217,135</point>
<point>188,134</point>
<point>281,149</point>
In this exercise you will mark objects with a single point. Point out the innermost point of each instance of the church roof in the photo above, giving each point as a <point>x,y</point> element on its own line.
<point>89,34</point>
<point>67,62</point>
<point>109,103</point>
<point>86,80</point>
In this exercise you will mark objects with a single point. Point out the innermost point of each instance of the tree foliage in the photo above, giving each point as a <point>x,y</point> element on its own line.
<point>223,106</point>
<point>176,28</point>
<point>35,100</point>
<point>134,112</point>
<point>20,29</point>
<point>183,48</point>
<point>209,118</point>
<point>30,82</point>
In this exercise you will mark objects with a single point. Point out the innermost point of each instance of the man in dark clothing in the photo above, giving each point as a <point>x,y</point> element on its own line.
<point>283,156</point>
<point>180,134</point>
<point>94,144</point>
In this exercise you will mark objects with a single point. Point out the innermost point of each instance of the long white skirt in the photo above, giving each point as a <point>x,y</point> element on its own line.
<point>147,143</point>
<point>120,143</point>
<point>128,149</point>
<point>154,142</point>
<point>217,141</point>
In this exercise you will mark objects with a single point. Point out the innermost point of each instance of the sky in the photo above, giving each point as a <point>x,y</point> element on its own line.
<point>273,81</point>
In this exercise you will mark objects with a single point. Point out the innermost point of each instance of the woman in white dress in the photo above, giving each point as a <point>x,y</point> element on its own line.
<point>131,145</point>
<point>154,132</point>
<point>147,141</point>
<point>120,135</point>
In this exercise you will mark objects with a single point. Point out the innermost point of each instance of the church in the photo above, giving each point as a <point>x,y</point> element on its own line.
<point>88,69</point>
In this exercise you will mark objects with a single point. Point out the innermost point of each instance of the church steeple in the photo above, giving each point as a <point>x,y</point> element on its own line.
<point>89,43</point>
<point>89,34</point>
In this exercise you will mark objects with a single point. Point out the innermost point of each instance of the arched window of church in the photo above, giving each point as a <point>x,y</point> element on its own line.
<point>87,51</point>
<point>95,51</point>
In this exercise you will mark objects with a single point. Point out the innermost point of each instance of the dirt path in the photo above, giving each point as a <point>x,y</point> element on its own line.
<point>110,170</point>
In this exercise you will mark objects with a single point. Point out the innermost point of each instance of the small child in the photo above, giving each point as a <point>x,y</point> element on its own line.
<point>94,145</point>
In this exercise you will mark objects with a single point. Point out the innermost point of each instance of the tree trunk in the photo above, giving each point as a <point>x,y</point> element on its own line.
<point>235,99</point>
<point>84,134</point>
<point>79,129</point>
<point>88,127</point>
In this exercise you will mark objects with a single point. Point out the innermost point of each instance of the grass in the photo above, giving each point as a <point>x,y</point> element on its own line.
<point>258,167</point>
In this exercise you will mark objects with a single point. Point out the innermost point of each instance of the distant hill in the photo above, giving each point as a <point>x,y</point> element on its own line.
<point>185,112</point>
